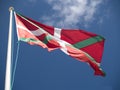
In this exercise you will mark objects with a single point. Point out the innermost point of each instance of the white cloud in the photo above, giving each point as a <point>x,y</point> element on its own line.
<point>69,13</point>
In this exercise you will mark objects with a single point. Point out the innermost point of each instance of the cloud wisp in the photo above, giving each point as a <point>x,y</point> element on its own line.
<point>69,13</point>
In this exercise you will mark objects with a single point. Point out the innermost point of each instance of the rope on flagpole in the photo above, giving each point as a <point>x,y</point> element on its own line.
<point>16,61</point>
<point>12,51</point>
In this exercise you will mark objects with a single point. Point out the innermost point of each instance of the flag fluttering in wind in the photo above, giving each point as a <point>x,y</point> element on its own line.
<point>84,46</point>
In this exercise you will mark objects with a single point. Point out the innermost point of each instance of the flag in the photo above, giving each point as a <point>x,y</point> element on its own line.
<point>79,44</point>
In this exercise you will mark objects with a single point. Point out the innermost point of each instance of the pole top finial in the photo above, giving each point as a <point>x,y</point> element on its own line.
<point>11,8</point>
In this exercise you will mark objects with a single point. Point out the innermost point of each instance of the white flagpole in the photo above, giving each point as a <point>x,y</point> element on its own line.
<point>9,54</point>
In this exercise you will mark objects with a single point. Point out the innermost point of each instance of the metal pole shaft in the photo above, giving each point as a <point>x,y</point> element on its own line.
<point>9,54</point>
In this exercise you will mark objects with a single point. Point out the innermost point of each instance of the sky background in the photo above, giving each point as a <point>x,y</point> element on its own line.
<point>37,69</point>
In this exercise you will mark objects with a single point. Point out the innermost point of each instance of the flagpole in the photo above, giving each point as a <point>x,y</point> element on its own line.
<point>9,53</point>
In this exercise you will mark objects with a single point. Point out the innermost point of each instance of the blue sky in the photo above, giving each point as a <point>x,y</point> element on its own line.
<point>37,69</point>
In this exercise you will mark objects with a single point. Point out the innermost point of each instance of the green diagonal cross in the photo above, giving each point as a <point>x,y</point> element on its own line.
<point>88,42</point>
